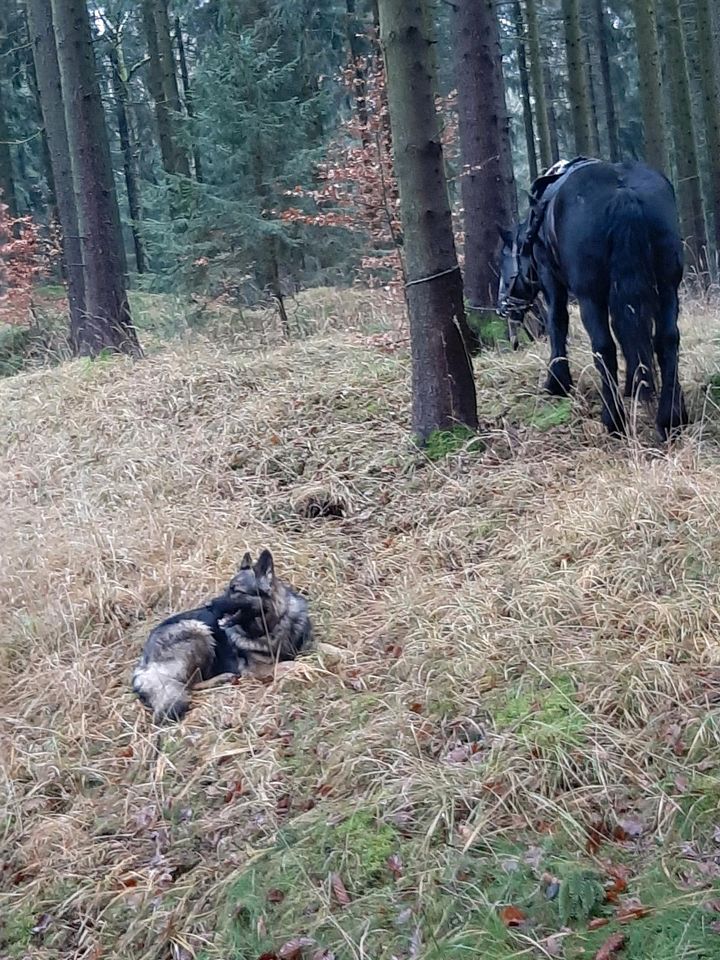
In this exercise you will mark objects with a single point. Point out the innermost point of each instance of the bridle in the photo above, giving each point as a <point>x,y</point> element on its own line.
<point>512,301</point>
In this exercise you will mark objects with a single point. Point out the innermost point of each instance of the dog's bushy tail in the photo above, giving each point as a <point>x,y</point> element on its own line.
<point>161,691</point>
<point>633,291</point>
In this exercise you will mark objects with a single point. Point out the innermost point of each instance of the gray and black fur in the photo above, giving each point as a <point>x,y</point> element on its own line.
<point>258,620</point>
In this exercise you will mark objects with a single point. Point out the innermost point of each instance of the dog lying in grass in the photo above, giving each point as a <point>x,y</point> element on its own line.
<point>256,622</point>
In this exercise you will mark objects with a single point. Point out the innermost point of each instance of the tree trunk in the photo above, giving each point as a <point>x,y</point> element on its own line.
<point>525,90</point>
<point>709,74</point>
<point>128,146</point>
<point>686,164</point>
<point>577,88</point>
<point>650,84</point>
<point>7,181</point>
<point>163,120</point>
<point>552,119</point>
<point>442,379</point>
<point>359,77</point>
<point>538,85</point>
<point>592,102</point>
<point>168,74</point>
<point>47,72</point>
<point>610,114</point>
<point>187,93</point>
<point>44,147</point>
<point>487,185</point>
<point>107,323</point>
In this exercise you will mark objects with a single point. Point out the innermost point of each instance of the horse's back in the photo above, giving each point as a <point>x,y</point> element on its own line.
<point>584,225</point>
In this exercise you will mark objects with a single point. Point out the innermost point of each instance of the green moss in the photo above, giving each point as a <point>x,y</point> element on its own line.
<point>442,443</point>
<point>544,715</point>
<point>16,931</point>
<point>551,413</point>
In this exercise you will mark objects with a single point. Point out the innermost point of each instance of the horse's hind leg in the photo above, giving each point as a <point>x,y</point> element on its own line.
<point>671,409</point>
<point>595,320</point>
<point>559,381</point>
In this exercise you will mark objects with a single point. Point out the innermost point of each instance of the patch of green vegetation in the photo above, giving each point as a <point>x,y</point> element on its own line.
<point>550,413</point>
<point>443,443</point>
<point>544,715</point>
<point>16,344</point>
<point>16,931</point>
<point>580,897</point>
<point>288,891</point>
<point>491,328</point>
<point>713,387</point>
<point>699,806</point>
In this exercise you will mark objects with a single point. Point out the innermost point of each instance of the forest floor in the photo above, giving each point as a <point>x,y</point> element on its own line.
<point>509,743</point>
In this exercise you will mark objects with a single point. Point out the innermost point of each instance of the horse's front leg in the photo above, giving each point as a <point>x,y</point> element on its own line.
<point>595,320</point>
<point>671,408</point>
<point>559,381</point>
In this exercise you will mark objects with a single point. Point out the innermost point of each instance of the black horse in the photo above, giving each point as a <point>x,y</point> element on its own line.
<point>607,233</point>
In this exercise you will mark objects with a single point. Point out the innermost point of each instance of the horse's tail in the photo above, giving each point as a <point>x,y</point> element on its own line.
<point>633,290</point>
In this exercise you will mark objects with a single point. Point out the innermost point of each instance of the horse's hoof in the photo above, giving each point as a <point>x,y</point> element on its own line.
<point>558,387</point>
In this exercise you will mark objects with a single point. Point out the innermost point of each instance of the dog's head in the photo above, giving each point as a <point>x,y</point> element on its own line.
<point>253,587</point>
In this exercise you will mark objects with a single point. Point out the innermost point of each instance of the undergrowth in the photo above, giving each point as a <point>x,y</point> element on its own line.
<point>507,742</point>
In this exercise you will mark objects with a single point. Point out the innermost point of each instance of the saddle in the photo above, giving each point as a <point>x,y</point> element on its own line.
<point>542,192</point>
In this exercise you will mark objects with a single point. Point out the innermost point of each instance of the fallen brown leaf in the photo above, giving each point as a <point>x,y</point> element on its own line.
<point>292,950</point>
<point>598,922</point>
<point>612,946</point>
<point>339,889</point>
<point>275,896</point>
<point>628,914</point>
<point>395,865</point>
<point>512,917</point>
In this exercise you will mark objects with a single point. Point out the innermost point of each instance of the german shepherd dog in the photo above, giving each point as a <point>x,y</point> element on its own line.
<point>257,621</point>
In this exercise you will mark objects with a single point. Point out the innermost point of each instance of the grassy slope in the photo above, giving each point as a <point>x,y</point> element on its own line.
<point>520,710</point>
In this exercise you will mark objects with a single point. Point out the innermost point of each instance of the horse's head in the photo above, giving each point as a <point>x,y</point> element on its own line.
<point>518,286</point>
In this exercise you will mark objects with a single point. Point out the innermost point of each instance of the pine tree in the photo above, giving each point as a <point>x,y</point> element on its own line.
<point>709,74</point>
<point>577,87</point>
<point>524,76</point>
<point>47,74</point>
<point>106,322</point>
<point>650,83</point>
<point>601,29</point>
<point>538,85</point>
<point>487,184</point>
<point>686,164</point>
<point>443,387</point>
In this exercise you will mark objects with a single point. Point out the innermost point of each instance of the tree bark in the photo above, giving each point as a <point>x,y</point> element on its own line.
<point>189,102</point>
<point>7,180</point>
<point>128,146</point>
<point>601,29</point>
<point>47,72</point>
<point>163,119</point>
<point>552,119</point>
<point>709,73</point>
<point>525,90</point>
<point>538,85</point>
<point>577,87</point>
<point>168,74</point>
<point>650,84</point>
<point>106,322</point>
<point>592,102</point>
<point>443,388</point>
<point>487,184</point>
<point>686,164</point>
<point>355,48</point>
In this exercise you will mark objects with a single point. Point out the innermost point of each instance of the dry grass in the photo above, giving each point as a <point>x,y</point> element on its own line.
<point>525,681</point>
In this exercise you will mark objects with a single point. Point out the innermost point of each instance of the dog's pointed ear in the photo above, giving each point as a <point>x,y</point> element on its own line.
<point>247,561</point>
<point>505,235</point>
<point>265,566</point>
